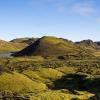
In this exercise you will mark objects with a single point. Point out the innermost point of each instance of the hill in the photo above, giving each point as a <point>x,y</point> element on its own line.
<point>9,46</point>
<point>48,45</point>
<point>89,44</point>
<point>16,82</point>
<point>24,40</point>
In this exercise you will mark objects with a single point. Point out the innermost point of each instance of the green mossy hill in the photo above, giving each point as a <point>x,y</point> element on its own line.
<point>9,46</point>
<point>19,83</point>
<point>24,40</point>
<point>48,45</point>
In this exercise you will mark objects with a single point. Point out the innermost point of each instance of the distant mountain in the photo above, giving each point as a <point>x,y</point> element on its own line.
<point>98,43</point>
<point>24,40</point>
<point>89,44</point>
<point>48,45</point>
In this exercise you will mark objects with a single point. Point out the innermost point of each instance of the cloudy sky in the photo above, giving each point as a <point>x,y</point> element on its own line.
<point>72,19</point>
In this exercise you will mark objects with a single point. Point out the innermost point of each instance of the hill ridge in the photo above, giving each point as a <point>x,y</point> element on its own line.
<point>49,45</point>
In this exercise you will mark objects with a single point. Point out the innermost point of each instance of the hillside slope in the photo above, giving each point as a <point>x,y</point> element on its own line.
<point>9,46</point>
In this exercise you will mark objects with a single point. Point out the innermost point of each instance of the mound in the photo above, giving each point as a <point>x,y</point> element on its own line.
<point>9,46</point>
<point>44,74</point>
<point>47,46</point>
<point>19,83</point>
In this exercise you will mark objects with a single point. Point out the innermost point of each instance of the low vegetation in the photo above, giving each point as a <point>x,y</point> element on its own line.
<point>11,47</point>
<point>39,78</point>
<point>50,69</point>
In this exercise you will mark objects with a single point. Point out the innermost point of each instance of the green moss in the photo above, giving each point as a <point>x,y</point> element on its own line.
<point>59,95</point>
<point>19,83</point>
<point>9,46</point>
<point>51,40</point>
<point>44,74</point>
<point>67,70</point>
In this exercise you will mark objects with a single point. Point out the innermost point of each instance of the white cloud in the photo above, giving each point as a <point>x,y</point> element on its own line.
<point>84,8</point>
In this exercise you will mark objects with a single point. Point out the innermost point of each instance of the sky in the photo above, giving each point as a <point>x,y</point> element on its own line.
<point>71,19</point>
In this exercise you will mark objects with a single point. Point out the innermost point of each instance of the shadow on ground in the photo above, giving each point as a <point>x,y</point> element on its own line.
<point>78,82</point>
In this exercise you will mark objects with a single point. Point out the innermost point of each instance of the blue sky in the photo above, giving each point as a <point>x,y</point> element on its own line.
<point>72,19</point>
